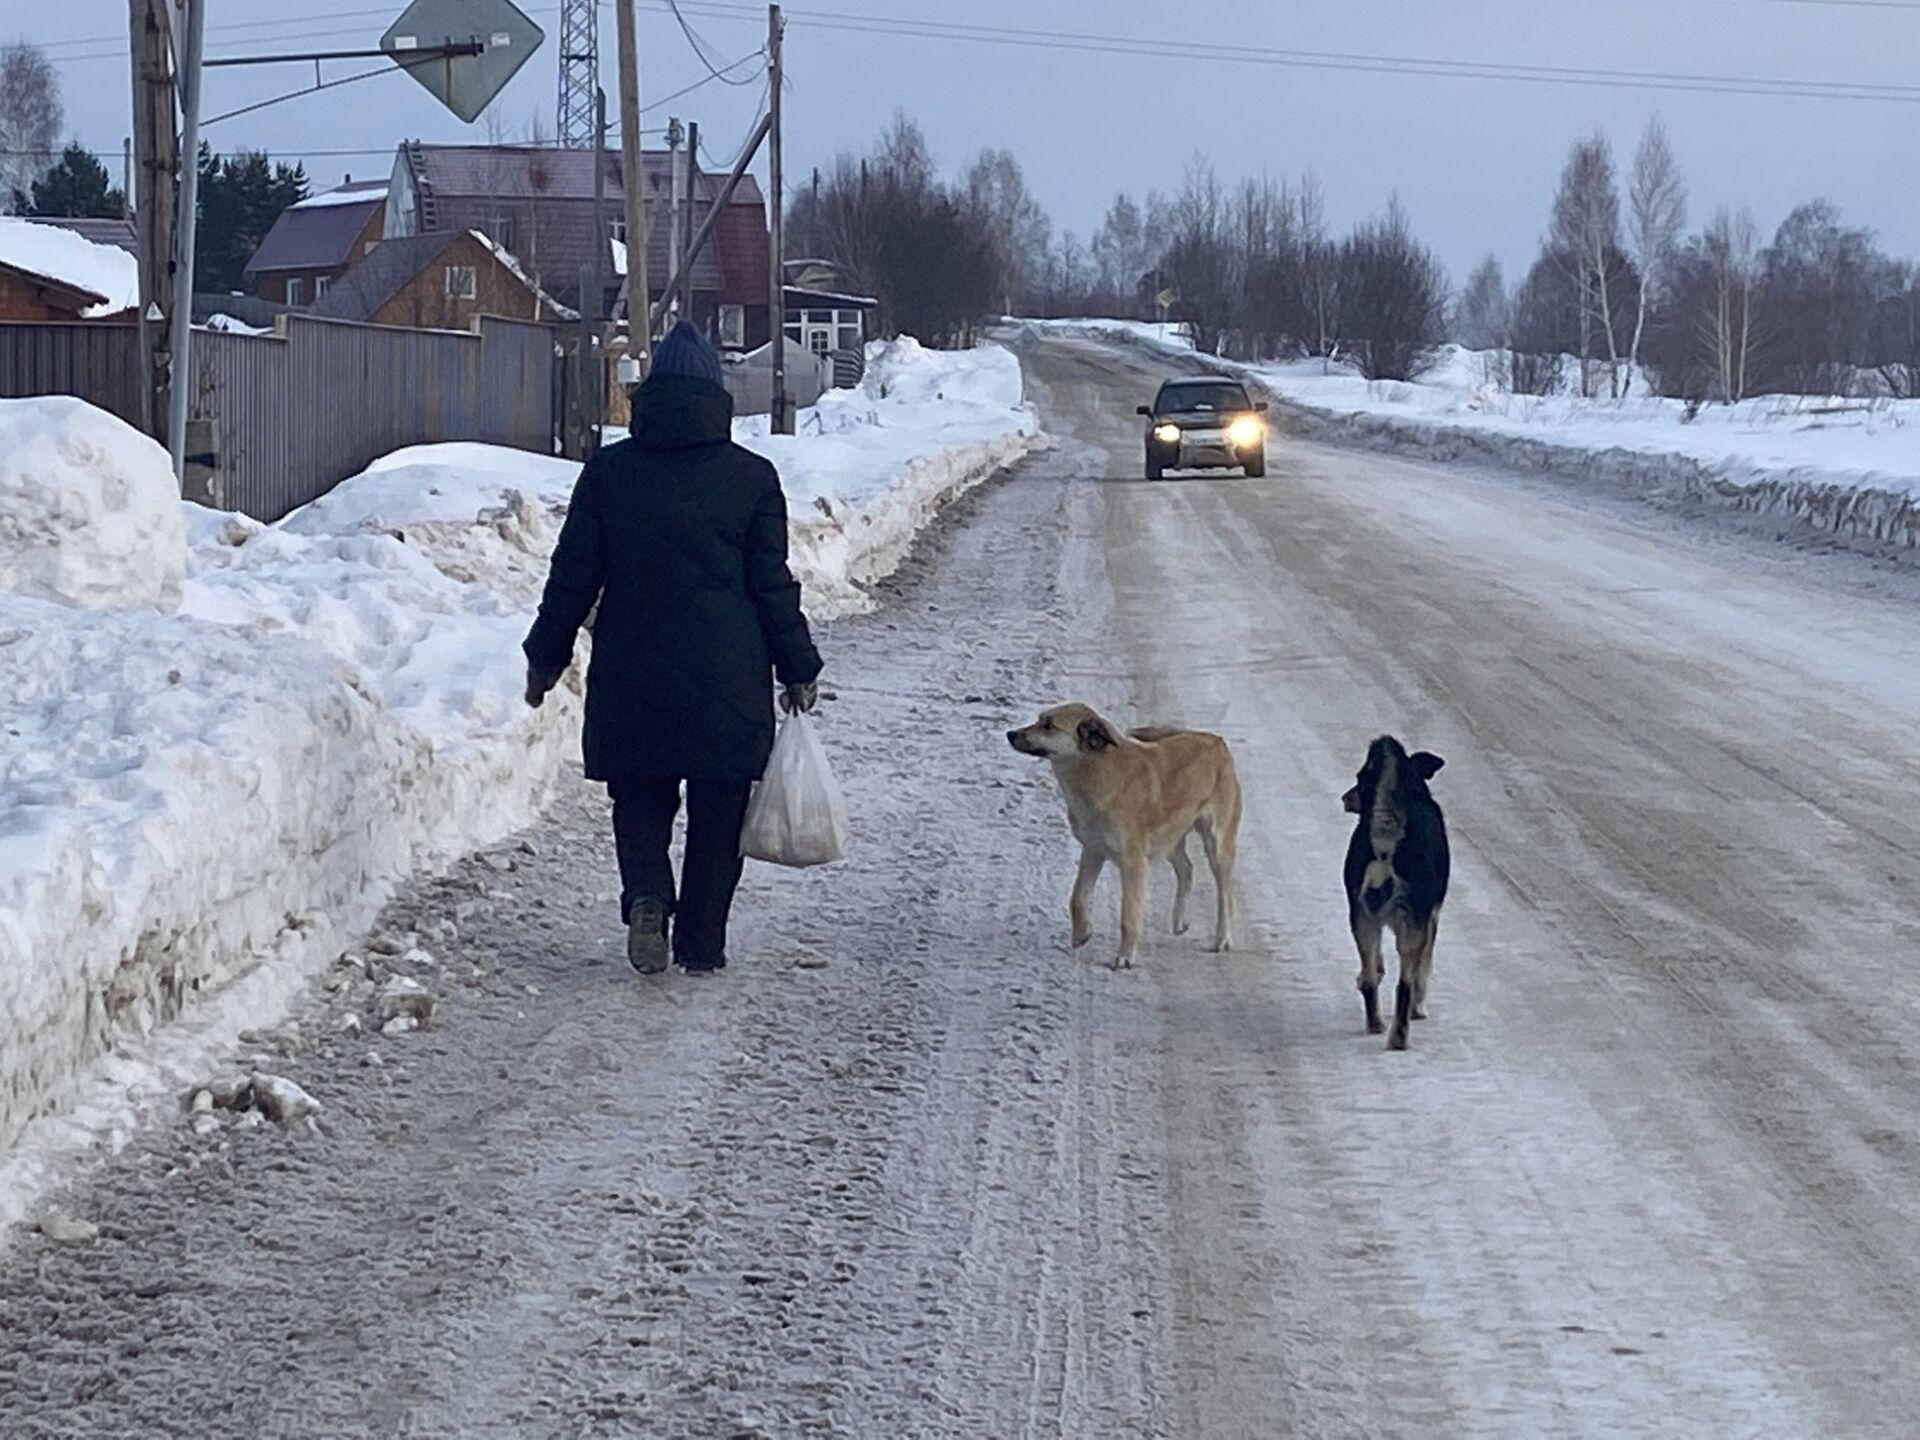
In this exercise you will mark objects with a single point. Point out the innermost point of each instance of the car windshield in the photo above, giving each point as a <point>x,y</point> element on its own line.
<point>1201,395</point>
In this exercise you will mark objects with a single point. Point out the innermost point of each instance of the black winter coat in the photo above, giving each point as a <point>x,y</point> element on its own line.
<point>681,536</point>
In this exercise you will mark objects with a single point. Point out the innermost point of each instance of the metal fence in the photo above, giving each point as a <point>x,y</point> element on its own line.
<point>98,363</point>
<point>299,411</point>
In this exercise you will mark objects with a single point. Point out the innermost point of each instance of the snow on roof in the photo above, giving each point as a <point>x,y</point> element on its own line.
<point>361,194</point>
<point>74,261</point>
<point>519,272</point>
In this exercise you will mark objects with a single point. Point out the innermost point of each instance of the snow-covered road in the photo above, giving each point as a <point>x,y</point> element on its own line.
<point>1651,1169</point>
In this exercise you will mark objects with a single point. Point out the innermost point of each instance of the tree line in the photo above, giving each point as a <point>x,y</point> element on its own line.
<point>1718,314</point>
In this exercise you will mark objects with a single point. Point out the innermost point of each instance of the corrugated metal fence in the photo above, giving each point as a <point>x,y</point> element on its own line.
<point>301,410</point>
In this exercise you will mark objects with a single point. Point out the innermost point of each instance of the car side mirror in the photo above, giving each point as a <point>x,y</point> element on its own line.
<point>1260,406</point>
<point>1146,410</point>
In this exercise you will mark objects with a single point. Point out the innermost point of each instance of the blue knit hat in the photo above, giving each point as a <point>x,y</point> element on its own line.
<point>685,351</point>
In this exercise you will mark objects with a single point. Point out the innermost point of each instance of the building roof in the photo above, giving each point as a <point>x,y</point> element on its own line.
<point>827,299</point>
<point>115,232</point>
<point>461,185</point>
<point>390,266</point>
<point>381,274</point>
<point>319,232</point>
<point>107,277</point>
<point>546,172</point>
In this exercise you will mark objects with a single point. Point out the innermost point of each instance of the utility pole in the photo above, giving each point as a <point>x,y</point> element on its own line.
<point>683,267</point>
<point>781,421</point>
<point>677,170</point>
<point>181,390</point>
<point>593,330</point>
<point>126,170</point>
<point>156,163</point>
<point>634,173</point>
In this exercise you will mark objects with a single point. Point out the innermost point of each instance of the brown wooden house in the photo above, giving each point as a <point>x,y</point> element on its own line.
<point>537,202</point>
<point>437,282</point>
<point>315,242</point>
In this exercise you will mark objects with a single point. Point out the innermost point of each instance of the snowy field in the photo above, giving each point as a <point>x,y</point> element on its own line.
<point>227,742</point>
<point>1847,465</point>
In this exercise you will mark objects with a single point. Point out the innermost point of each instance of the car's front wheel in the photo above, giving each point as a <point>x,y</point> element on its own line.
<point>1155,470</point>
<point>1255,467</point>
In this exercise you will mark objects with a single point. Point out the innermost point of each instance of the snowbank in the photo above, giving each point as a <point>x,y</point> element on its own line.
<point>1851,467</point>
<point>200,807</point>
<point>47,250</point>
<point>197,808</point>
<point>869,467</point>
<point>89,511</point>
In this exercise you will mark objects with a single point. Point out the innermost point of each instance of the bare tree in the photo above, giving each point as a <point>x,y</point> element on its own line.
<point>1656,215</point>
<point>1200,261</point>
<point>1319,270</point>
<point>1585,235</point>
<point>30,121</point>
<point>996,187</point>
<point>1731,246</point>
<point>1393,296</point>
<point>1483,318</point>
<point>1120,253</point>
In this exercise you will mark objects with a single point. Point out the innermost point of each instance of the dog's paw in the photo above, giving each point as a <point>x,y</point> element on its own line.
<point>1374,1027</point>
<point>1420,1012</point>
<point>1222,944</point>
<point>1122,962</point>
<point>1081,939</point>
<point>1398,1039</point>
<point>1180,925</point>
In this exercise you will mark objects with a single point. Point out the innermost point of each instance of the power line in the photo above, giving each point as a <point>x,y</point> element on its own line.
<point>700,47</point>
<point>1352,62</point>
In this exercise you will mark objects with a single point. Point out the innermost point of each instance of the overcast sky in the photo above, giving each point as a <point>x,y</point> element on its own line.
<point>1474,160</point>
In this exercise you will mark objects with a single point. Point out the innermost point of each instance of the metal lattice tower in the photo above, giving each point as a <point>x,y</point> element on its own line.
<point>579,71</point>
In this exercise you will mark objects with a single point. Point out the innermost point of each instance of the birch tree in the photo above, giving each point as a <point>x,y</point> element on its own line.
<point>1656,216</point>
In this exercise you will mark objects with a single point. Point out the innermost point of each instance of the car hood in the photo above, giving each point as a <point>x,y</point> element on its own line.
<point>1202,419</point>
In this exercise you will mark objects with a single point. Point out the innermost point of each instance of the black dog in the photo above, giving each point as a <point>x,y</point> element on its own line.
<point>1397,871</point>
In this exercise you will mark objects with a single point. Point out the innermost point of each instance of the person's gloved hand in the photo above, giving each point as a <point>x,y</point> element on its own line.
<point>799,699</point>
<point>539,682</point>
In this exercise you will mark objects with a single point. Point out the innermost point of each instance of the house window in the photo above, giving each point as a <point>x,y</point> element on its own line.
<point>617,228</point>
<point>500,231</point>
<point>296,292</point>
<point>320,284</point>
<point>820,341</point>
<point>462,282</point>
<point>733,326</point>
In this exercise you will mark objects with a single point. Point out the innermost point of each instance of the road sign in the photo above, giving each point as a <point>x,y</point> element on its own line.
<point>465,84</point>
<point>1165,298</point>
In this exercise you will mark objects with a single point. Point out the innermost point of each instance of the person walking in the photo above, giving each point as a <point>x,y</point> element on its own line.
<point>681,536</point>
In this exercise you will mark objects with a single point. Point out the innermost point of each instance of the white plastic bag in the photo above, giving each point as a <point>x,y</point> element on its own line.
<point>797,816</point>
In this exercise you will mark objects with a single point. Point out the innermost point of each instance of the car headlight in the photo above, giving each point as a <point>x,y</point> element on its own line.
<point>1246,432</point>
<point>1167,434</point>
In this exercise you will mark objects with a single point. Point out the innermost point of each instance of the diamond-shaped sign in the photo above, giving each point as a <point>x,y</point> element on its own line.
<point>465,84</point>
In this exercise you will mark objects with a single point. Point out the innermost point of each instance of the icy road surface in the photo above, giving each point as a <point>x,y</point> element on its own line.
<point>911,1169</point>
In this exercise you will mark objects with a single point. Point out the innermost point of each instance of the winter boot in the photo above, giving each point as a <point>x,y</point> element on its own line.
<point>647,949</point>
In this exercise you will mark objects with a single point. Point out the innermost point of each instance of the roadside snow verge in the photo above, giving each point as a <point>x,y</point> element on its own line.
<point>212,778</point>
<point>870,467</point>
<point>1847,467</point>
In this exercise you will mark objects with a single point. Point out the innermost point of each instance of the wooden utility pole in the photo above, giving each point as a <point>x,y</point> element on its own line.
<point>634,175</point>
<point>781,420</point>
<point>156,165</point>
<point>684,267</point>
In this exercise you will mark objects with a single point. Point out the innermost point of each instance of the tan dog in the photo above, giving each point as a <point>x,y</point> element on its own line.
<point>1133,799</point>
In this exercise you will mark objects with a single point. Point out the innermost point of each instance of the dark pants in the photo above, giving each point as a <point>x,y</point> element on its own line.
<point>643,813</point>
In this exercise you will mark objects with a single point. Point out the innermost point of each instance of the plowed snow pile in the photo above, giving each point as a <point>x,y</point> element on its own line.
<point>225,742</point>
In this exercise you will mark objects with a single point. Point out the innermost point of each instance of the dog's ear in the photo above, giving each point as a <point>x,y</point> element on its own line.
<point>1427,765</point>
<point>1094,734</point>
<point>1350,802</point>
